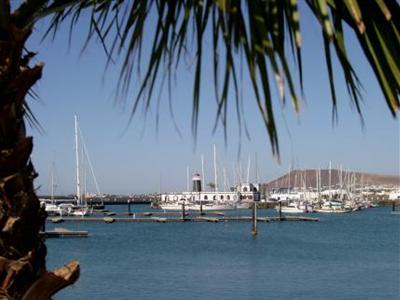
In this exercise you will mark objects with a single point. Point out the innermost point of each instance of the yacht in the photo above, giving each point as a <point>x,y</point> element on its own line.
<point>292,208</point>
<point>332,206</point>
<point>50,207</point>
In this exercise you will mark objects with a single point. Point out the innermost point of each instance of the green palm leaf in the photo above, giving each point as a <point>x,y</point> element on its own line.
<point>257,29</point>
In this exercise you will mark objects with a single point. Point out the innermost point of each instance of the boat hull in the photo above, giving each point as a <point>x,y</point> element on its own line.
<point>292,210</point>
<point>332,211</point>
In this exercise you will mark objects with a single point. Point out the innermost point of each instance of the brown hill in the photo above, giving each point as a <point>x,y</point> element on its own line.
<point>299,177</point>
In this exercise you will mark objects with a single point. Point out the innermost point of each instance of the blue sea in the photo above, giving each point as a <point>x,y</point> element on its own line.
<point>344,256</point>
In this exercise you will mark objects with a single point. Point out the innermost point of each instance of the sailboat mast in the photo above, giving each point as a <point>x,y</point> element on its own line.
<point>316,181</point>
<point>256,168</point>
<point>330,169</point>
<point>85,153</point>
<point>215,169</point>
<point>341,182</point>
<point>78,184</point>
<point>187,179</point>
<point>248,170</point>
<point>234,174</point>
<point>84,192</point>
<point>225,182</point>
<point>52,183</point>
<point>202,170</point>
<point>319,183</point>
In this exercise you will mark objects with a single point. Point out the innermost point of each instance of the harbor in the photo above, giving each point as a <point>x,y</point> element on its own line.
<point>145,257</point>
<point>234,236</point>
<point>249,237</point>
<point>238,150</point>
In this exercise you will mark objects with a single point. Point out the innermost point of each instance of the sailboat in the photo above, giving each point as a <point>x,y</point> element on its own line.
<point>81,208</point>
<point>331,205</point>
<point>51,208</point>
<point>239,197</point>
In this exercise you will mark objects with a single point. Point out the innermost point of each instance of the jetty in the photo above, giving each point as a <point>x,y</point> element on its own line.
<point>62,232</point>
<point>186,219</point>
<point>151,213</point>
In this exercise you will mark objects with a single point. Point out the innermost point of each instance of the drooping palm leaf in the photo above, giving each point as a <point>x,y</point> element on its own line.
<point>254,31</point>
<point>258,30</point>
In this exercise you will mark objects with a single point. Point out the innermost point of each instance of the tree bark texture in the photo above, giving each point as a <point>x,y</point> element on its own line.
<point>22,249</point>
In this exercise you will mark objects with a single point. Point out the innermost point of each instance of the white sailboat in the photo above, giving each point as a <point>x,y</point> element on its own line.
<point>81,208</point>
<point>292,208</point>
<point>331,205</point>
<point>51,208</point>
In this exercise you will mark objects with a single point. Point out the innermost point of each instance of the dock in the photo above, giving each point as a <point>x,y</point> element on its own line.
<point>187,219</point>
<point>208,219</point>
<point>148,214</point>
<point>62,232</point>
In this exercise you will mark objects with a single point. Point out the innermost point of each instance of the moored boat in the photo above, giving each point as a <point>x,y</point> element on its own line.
<point>239,198</point>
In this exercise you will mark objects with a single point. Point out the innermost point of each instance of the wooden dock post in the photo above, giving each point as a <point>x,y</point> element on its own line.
<point>280,211</point>
<point>129,207</point>
<point>254,219</point>
<point>394,205</point>
<point>183,211</point>
<point>43,207</point>
<point>201,208</point>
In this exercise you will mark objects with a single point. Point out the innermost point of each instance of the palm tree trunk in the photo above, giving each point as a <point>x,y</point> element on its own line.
<point>22,249</point>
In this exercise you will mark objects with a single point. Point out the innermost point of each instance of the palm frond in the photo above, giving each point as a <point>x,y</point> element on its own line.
<point>258,30</point>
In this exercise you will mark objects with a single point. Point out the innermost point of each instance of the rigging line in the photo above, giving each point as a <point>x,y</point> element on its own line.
<point>89,161</point>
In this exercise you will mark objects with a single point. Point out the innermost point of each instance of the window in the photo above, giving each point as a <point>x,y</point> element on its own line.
<point>214,197</point>
<point>222,197</point>
<point>249,197</point>
<point>205,197</point>
<point>228,197</point>
<point>245,189</point>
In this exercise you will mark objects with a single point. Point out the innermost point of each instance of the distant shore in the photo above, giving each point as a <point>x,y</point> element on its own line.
<point>382,200</point>
<point>109,200</point>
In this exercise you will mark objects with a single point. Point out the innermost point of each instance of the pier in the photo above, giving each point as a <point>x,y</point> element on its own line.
<point>151,213</point>
<point>62,232</point>
<point>185,219</point>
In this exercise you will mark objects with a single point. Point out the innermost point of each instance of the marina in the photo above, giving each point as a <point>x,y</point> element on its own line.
<point>250,235</point>
<point>157,259</point>
<point>238,244</point>
<point>304,193</point>
<point>311,86</point>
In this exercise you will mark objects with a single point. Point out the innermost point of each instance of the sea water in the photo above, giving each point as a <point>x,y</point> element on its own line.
<point>343,256</point>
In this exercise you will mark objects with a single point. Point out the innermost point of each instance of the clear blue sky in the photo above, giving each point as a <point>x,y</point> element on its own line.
<point>139,159</point>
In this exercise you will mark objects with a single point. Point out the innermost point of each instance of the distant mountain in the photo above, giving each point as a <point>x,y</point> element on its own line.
<point>298,177</point>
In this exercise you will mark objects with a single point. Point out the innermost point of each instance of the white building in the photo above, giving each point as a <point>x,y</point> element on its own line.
<point>239,197</point>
